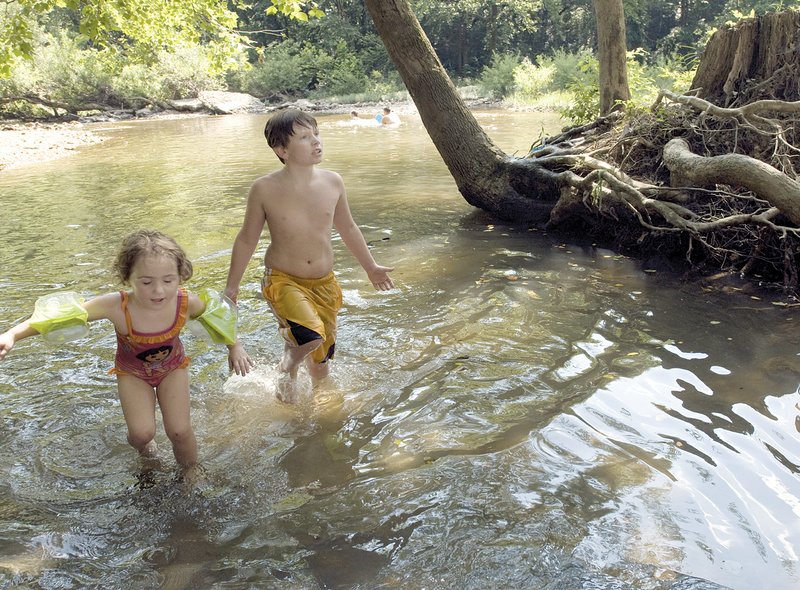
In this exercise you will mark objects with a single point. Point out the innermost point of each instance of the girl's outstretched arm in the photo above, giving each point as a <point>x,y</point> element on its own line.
<point>98,308</point>
<point>105,307</point>
<point>196,306</point>
<point>13,335</point>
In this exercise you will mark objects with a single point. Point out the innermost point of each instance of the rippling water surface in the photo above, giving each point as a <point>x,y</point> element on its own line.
<point>517,413</point>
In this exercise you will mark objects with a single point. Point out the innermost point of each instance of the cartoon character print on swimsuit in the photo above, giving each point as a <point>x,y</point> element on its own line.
<point>154,360</point>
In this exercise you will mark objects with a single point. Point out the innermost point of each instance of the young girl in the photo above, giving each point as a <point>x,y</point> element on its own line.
<point>150,364</point>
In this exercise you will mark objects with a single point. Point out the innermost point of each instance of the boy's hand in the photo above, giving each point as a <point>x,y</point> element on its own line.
<point>380,279</point>
<point>6,344</point>
<point>238,359</point>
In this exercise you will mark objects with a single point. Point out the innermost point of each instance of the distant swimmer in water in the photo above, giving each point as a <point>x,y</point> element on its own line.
<point>389,118</point>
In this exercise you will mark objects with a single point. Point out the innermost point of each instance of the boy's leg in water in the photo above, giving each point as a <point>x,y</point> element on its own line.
<point>318,371</point>
<point>173,398</point>
<point>292,357</point>
<point>138,400</point>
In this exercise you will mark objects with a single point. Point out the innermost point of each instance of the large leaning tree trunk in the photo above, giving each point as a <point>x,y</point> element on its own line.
<point>485,176</point>
<point>611,55</point>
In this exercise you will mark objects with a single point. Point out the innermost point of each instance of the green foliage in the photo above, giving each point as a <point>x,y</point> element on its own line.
<point>284,68</point>
<point>187,71</point>
<point>387,85</point>
<point>585,90</point>
<point>640,83</point>
<point>531,81</point>
<point>646,76</point>
<point>467,34</point>
<point>341,75</point>
<point>672,72</point>
<point>298,10</point>
<point>183,73</point>
<point>497,79</point>
<point>287,68</point>
<point>138,28</point>
<point>565,65</point>
<point>158,49</point>
<point>16,37</point>
<point>66,71</point>
<point>136,81</point>
<point>62,71</point>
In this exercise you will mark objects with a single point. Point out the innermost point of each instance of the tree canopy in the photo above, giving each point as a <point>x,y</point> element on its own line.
<point>139,25</point>
<point>465,34</point>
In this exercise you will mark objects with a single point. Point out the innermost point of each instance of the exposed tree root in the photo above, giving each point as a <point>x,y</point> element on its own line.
<point>723,180</point>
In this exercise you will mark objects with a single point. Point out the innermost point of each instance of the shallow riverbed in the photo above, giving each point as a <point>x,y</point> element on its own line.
<point>517,413</point>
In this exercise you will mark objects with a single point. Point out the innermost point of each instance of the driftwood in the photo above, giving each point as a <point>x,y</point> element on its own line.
<point>711,174</point>
<point>55,105</point>
<point>58,107</point>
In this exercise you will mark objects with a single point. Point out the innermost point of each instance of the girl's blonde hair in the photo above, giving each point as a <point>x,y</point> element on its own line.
<point>145,242</point>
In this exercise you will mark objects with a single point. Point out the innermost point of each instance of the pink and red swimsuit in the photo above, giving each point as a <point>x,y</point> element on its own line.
<point>151,357</point>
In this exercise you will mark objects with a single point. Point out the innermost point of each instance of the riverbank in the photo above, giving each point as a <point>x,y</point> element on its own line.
<point>30,143</point>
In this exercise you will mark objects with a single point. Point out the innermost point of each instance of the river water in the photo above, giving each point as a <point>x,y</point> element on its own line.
<point>518,413</point>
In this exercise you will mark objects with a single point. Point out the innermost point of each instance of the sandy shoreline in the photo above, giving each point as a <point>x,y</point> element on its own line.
<point>30,143</point>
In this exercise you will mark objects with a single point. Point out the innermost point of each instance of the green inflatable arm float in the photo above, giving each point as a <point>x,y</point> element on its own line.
<point>60,317</point>
<point>218,322</point>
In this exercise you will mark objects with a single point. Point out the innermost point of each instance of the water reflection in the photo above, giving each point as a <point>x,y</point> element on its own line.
<point>518,413</point>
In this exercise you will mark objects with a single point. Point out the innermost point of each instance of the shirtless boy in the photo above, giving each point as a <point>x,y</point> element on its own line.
<point>300,204</point>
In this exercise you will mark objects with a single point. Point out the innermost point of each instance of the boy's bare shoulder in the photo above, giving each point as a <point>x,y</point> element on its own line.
<point>269,178</point>
<point>265,184</point>
<point>330,176</point>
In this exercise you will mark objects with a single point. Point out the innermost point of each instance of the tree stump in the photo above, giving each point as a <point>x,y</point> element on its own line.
<point>756,59</point>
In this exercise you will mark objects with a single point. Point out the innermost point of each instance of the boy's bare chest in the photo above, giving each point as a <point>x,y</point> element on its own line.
<point>316,207</point>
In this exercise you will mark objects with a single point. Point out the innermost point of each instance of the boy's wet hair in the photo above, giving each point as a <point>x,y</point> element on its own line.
<point>145,242</point>
<point>280,126</point>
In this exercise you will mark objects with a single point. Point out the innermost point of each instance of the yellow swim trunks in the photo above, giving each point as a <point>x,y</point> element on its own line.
<point>305,309</point>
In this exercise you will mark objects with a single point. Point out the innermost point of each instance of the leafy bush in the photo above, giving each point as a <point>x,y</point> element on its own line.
<point>60,71</point>
<point>136,81</point>
<point>282,69</point>
<point>674,72</point>
<point>341,75</point>
<point>565,65</point>
<point>186,72</point>
<point>585,90</point>
<point>531,80</point>
<point>644,80</point>
<point>497,79</point>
